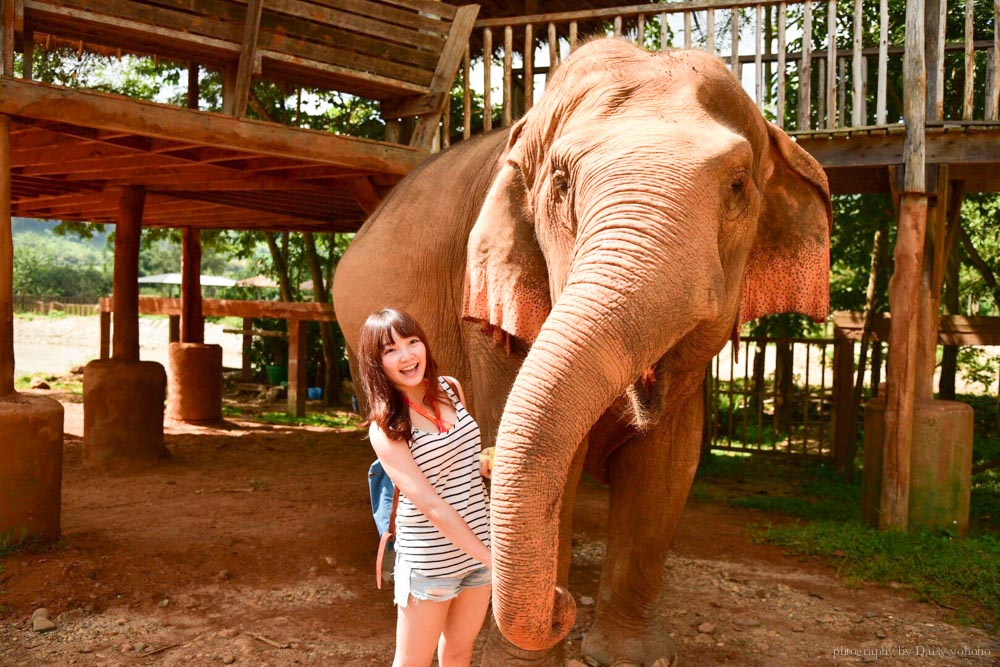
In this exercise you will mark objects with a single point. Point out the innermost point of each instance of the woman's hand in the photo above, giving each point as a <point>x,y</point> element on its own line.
<point>486,462</point>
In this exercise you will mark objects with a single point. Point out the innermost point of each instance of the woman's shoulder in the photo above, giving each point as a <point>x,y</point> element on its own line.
<point>380,439</point>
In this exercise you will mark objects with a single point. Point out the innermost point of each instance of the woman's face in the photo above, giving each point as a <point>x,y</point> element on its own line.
<point>404,361</point>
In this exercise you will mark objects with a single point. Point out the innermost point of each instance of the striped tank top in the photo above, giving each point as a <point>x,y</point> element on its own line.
<point>450,461</point>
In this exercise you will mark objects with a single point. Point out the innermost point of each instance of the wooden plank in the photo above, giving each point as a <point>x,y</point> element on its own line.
<point>508,87</point>
<point>454,48</point>
<point>782,47</point>
<point>432,41</point>
<point>364,192</point>
<point>6,265</point>
<point>307,311</point>
<point>110,112</point>
<point>624,12</point>
<point>347,64</point>
<point>297,345</point>
<point>244,71</point>
<point>805,69</point>
<point>429,7</point>
<point>529,62</point>
<point>293,28</point>
<point>111,12</point>
<point>381,11</point>
<point>883,60</point>
<point>192,324</point>
<point>125,340</point>
<point>487,79</point>
<point>831,63</point>
<point>857,76</point>
<point>841,92</point>
<point>401,107</point>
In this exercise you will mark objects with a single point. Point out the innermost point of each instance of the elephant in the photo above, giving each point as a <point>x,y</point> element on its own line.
<point>577,272</point>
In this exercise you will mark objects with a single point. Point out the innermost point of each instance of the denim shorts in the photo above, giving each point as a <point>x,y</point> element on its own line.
<point>438,589</point>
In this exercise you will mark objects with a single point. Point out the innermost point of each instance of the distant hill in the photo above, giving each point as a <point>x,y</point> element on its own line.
<point>30,225</point>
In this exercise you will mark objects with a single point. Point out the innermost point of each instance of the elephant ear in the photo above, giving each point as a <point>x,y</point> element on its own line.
<point>506,281</point>
<point>788,269</point>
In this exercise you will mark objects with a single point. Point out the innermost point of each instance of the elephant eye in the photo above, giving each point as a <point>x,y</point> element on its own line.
<point>736,197</point>
<point>560,182</point>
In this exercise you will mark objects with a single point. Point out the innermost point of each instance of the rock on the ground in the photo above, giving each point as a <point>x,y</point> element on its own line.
<point>42,624</point>
<point>41,612</point>
<point>706,628</point>
<point>39,383</point>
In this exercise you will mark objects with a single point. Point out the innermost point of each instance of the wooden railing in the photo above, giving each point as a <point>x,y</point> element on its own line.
<point>810,66</point>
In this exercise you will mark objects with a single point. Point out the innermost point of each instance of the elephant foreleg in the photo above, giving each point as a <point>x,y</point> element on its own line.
<point>650,478</point>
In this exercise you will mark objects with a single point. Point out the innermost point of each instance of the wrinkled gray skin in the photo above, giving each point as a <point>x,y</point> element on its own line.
<point>576,274</point>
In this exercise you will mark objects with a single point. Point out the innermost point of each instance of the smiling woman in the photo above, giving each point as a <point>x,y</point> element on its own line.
<point>429,445</point>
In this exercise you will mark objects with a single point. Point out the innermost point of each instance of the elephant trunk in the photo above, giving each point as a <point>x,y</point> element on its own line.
<point>593,345</point>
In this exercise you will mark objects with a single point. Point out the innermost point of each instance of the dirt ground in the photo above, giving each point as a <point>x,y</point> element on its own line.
<point>254,545</point>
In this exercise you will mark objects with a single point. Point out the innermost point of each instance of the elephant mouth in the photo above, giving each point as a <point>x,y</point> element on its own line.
<point>641,405</point>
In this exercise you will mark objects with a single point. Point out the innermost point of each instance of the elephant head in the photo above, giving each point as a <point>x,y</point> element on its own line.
<point>640,213</point>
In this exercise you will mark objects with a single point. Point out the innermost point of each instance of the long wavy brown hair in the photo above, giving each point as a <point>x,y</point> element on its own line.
<point>386,405</point>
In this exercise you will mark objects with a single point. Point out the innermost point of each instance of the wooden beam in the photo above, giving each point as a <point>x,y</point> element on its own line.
<point>125,342</point>
<point>245,70</point>
<point>148,119</point>
<point>364,192</point>
<point>277,310</point>
<point>298,343</point>
<point>192,322</point>
<point>6,266</point>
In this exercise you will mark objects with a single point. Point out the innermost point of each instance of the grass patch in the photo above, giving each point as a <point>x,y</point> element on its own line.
<point>963,575</point>
<point>335,419</point>
<point>958,574</point>
<point>71,385</point>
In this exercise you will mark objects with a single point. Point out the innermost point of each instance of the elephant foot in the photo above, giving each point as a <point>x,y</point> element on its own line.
<point>499,652</point>
<point>610,648</point>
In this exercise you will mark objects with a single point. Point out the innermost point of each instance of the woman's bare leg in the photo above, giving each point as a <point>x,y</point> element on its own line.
<point>464,620</point>
<point>418,626</point>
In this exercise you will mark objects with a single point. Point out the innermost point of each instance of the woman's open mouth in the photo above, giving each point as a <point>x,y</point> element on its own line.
<point>409,371</point>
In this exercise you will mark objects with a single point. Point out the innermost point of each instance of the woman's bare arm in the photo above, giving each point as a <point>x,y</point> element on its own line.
<point>411,482</point>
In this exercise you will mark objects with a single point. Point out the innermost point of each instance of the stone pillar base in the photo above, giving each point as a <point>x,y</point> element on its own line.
<point>194,392</point>
<point>123,412</point>
<point>940,465</point>
<point>30,467</point>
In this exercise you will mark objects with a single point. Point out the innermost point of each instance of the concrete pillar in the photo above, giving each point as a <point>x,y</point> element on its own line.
<point>31,427</point>
<point>122,396</point>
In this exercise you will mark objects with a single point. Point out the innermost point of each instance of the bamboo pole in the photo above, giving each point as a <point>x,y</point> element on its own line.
<point>883,62</point>
<point>994,81</point>
<point>554,51</point>
<point>904,287</point>
<point>805,68</point>
<point>970,61</point>
<point>128,230</point>
<point>487,79</point>
<point>710,31</point>
<point>466,98</point>
<point>529,73</point>
<point>758,64</point>
<point>508,77</point>
<point>734,60</point>
<point>6,265</point>
<point>831,63</point>
<point>857,118</point>
<point>782,49</point>
<point>192,322</point>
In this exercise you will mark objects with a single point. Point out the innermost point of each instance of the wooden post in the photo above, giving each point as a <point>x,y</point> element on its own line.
<point>904,287</point>
<point>487,80</point>
<point>843,399</point>
<point>125,340</point>
<point>508,77</point>
<point>6,266</point>
<point>194,89</point>
<point>805,69</point>
<point>192,322</point>
<point>174,328</point>
<point>246,371</point>
<point>7,42</point>
<point>930,289</point>
<point>297,344</point>
<point>248,52</point>
<point>105,352</point>
<point>28,57</point>
<point>229,101</point>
